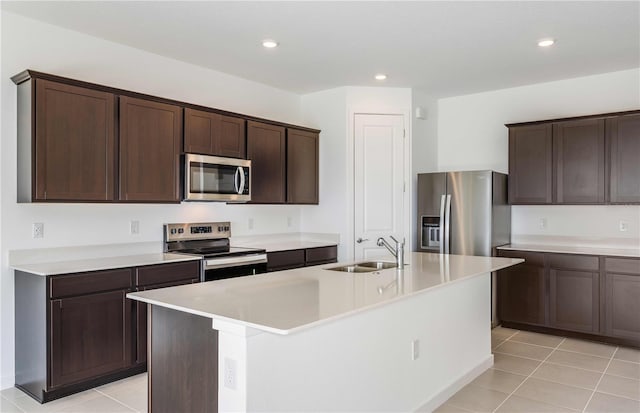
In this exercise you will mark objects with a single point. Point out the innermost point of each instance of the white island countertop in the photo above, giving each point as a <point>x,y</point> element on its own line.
<point>285,302</point>
<point>102,263</point>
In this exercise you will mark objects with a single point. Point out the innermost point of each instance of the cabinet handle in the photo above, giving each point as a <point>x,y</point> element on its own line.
<point>360,240</point>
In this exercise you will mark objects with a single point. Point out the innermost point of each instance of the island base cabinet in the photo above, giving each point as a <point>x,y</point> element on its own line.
<point>90,335</point>
<point>183,362</point>
<point>623,306</point>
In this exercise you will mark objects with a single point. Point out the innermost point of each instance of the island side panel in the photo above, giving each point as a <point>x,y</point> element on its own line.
<point>364,362</point>
<point>31,333</point>
<point>183,362</point>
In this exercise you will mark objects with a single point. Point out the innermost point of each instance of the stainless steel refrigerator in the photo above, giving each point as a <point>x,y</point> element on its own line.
<point>464,213</point>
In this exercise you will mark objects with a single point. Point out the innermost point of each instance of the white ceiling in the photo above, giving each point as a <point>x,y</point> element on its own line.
<point>443,48</point>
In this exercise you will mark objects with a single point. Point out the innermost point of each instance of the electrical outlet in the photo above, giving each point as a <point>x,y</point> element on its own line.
<point>623,226</point>
<point>38,230</point>
<point>134,227</point>
<point>543,223</point>
<point>289,221</point>
<point>415,349</point>
<point>250,223</point>
<point>229,373</point>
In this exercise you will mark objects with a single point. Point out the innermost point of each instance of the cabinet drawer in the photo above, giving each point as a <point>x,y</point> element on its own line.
<point>623,265</point>
<point>321,255</point>
<point>531,258</point>
<point>281,260</point>
<point>89,282</point>
<point>167,273</point>
<point>574,262</point>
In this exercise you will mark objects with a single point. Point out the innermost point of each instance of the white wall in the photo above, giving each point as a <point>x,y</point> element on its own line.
<point>29,44</point>
<point>424,151</point>
<point>332,111</point>
<point>471,135</point>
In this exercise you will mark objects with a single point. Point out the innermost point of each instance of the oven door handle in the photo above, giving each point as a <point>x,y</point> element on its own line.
<point>235,261</point>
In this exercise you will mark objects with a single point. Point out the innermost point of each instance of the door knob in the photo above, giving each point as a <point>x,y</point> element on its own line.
<point>360,240</point>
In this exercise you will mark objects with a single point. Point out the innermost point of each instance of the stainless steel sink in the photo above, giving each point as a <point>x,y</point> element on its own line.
<point>351,268</point>
<point>378,265</point>
<point>367,266</point>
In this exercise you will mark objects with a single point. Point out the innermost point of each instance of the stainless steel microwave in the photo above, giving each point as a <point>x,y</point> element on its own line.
<point>213,178</point>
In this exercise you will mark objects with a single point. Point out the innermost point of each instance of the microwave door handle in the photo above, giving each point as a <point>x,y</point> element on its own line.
<point>241,186</point>
<point>235,180</point>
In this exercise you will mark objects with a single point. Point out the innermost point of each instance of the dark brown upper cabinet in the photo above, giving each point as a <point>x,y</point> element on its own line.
<point>266,148</point>
<point>73,152</point>
<point>210,133</point>
<point>623,140</point>
<point>150,143</point>
<point>579,148</point>
<point>530,164</point>
<point>302,167</point>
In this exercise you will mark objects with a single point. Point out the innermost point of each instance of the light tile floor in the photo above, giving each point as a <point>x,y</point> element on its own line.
<point>541,373</point>
<point>531,373</point>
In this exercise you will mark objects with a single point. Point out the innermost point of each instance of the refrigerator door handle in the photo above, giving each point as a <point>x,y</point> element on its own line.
<point>447,226</point>
<point>441,226</point>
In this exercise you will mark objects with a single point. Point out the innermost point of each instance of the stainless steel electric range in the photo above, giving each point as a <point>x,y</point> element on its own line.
<point>210,240</point>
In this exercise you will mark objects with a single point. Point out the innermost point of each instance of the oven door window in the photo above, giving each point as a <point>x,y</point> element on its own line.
<point>213,179</point>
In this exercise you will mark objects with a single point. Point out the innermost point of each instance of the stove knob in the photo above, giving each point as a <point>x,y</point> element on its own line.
<point>226,228</point>
<point>173,231</point>
<point>180,230</point>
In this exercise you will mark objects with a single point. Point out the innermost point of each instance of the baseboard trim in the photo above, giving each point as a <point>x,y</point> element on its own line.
<point>445,393</point>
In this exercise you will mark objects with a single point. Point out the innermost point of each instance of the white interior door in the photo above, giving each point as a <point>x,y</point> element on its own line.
<point>379,182</point>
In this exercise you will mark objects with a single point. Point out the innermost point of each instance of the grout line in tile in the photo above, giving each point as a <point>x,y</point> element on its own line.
<point>113,398</point>
<point>601,377</point>
<point>529,376</point>
<point>574,367</point>
<point>618,395</point>
<point>562,349</point>
<point>12,403</point>
<point>515,355</point>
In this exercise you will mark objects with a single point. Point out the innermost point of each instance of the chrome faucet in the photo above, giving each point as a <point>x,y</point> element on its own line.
<point>398,252</point>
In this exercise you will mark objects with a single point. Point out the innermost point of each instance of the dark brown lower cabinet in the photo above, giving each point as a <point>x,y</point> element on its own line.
<point>597,298</point>
<point>289,259</point>
<point>622,298</point>
<point>78,331</point>
<point>574,300</point>
<point>521,289</point>
<point>90,336</point>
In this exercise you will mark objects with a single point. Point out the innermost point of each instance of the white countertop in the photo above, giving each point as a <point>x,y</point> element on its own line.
<point>565,249</point>
<point>284,242</point>
<point>103,263</point>
<point>288,301</point>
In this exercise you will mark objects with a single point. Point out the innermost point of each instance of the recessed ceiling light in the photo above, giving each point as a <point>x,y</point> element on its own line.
<point>546,42</point>
<point>381,76</point>
<point>269,44</point>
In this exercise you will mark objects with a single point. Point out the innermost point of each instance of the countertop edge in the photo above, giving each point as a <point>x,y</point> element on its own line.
<point>559,249</point>
<point>84,266</point>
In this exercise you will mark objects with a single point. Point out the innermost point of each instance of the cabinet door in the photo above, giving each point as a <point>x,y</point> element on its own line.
<point>233,139</point>
<point>302,167</point>
<point>574,300</point>
<point>90,336</point>
<point>622,308</point>
<point>266,149</point>
<point>521,289</point>
<point>201,131</point>
<point>150,141</point>
<point>623,135</point>
<point>530,164</point>
<point>74,144</point>
<point>580,161</point>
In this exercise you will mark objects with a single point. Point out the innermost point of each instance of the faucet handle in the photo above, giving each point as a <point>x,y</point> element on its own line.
<point>394,239</point>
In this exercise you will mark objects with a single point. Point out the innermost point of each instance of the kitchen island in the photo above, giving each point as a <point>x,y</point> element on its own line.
<point>316,339</point>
